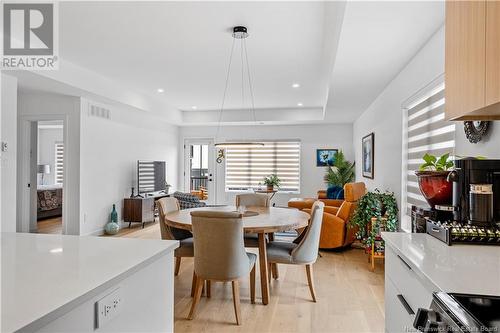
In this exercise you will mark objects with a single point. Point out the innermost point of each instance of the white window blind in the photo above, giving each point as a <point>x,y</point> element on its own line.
<point>246,167</point>
<point>59,162</point>
<point>427,132</point>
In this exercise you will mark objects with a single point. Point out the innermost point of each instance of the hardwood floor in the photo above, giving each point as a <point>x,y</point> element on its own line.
<point>350,298</point>
<point>50,226</point>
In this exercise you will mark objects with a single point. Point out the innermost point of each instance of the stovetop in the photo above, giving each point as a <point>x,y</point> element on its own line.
<point>452,232</point>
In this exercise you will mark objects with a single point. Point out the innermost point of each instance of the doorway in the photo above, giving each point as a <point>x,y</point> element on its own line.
<point>199,169</point>
<point>42,176</point>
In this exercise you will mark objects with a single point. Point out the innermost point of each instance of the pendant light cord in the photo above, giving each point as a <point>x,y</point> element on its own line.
<point>225,91</point>
<point>250,82</point>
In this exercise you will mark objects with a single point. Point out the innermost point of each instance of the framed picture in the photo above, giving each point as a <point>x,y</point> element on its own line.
<point>325,157</point>
<point>368,151</point>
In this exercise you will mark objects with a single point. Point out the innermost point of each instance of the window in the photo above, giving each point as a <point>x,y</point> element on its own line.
<point>426,131</point>
<point>59,162</point>
<point>246,167</point>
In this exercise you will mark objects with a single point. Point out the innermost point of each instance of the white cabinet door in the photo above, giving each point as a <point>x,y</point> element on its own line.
<point>397,317</point>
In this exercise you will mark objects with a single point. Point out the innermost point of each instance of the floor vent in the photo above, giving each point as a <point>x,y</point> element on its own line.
<point>99,111</point>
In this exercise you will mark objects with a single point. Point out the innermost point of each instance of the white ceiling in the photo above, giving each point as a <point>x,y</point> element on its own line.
<point>377,40</point>
<point>184,47</point>
<point>342,59</point>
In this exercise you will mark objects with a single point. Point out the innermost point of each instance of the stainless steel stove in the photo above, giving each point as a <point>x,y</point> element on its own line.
<point>460,313</point>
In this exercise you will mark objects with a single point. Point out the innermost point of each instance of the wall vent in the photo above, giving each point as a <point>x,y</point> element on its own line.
<point>99,111</point>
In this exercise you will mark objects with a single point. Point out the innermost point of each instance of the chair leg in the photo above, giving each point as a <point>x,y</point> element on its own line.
<point>209,288</point>
<point>274,270</point>
<point>269,272</point>
<point>197,296</point>
<point>193,284</point>
<point>177,265</point>
<point>236,301</point>
<point>310,281</point>
<point>252,285</point>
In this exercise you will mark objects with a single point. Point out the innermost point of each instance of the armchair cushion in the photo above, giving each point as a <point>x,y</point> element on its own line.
<point>333,231</point>
<point>188,200</point>
<point>280,252</point>
<point>335,192</point>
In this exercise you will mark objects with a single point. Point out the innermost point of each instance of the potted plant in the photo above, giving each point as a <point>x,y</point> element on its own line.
<point>337,175</point>
<point>272,181</point>
<point>374,204</point>
<point>433,180</point>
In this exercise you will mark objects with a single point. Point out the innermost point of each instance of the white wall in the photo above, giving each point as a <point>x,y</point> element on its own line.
<point>8,159</point>
<point>488,147</point>
<point>45,106</point>
<point>384,117</point>
<point>47,138</point>
<point>110,149</point>
<point>312,137</point>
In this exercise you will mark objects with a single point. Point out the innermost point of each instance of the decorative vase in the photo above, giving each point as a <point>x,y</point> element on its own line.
<point>114,215</point>
<point>111,228</point>
<point>435,187</point>
<point>270,187</point>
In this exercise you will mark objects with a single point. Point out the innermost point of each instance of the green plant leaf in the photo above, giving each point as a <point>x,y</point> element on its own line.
<point>430,159</point>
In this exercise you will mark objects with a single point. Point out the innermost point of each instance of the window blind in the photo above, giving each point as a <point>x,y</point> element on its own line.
<point>246,167</point>
<point>59,162</point>
<point>427,132</point>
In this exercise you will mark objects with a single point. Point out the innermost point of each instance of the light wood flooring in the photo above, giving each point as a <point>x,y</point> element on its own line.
<point>50,226</point>
<point>350,297</point>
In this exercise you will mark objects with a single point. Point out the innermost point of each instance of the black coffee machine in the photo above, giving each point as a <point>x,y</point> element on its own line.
<point>476,205</point>
<point>476,191</point>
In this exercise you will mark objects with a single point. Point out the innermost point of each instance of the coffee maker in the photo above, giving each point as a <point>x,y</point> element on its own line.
<point>476,191</point>
<point>476,205</point>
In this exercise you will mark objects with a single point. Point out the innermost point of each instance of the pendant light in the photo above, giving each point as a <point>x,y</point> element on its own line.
<point>240,33</point>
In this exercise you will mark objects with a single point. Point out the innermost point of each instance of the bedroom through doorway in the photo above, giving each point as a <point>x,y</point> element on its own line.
<point>49,176</point>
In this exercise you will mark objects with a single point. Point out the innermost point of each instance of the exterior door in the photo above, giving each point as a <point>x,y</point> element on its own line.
<point>199,169</point>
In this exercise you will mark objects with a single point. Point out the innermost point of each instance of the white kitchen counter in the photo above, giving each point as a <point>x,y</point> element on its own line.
<point>471,269</point>
<point>45,276</point>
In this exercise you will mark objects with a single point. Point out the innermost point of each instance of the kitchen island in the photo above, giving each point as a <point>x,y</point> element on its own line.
<point>69,283</point>
<point>418,265</point>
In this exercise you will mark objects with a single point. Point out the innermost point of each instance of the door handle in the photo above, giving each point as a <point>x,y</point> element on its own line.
<point>405,263</point>
<point>405,304</point>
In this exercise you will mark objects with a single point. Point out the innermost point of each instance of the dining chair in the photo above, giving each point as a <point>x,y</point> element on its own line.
<point>303,253</point>
<point>252,239</point>
<point>252,199</point>
<point>219,254</point>
<point>185,238</point>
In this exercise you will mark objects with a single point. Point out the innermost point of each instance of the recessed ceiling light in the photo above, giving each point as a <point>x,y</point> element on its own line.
<point>160,90</point>
<point>295,85</point>
<point>300,104</point>
<point>194,107</point>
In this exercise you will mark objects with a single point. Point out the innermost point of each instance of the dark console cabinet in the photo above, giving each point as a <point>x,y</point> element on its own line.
<point>139,210</point>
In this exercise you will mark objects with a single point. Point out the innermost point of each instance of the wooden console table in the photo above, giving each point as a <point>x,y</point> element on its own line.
<point>377,253</point>
<point>141,210</point>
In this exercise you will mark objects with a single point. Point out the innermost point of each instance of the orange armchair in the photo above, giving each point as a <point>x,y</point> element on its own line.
<point>334,230</point>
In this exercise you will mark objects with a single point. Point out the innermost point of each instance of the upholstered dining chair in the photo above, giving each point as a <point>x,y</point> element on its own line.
<point>256,200</point>
<point>252,199</point>
<point>303,253</point>
<point>219,254</point>
<point>185,238</point>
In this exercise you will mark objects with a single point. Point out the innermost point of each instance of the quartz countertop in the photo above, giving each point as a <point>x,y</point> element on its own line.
<point>43,274</point>
<point>470,269</point>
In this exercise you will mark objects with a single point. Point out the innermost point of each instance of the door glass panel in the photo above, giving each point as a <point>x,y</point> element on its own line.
<point>199,171</point>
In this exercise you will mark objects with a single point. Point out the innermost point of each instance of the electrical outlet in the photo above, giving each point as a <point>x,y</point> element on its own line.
<point>108,308</point>
<point>4,146</point>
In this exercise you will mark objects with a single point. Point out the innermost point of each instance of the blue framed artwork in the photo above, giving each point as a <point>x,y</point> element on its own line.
<point>325,157</point>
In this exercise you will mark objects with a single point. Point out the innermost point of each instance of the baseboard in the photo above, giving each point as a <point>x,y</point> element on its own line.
<point>98,232</point>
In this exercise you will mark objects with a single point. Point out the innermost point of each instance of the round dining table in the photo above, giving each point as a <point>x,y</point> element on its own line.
<point>259,220</point>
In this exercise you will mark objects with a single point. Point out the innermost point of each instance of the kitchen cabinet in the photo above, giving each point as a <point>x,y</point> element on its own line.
<point>472,61</point>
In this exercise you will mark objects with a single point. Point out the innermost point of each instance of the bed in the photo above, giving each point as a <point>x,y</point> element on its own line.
<point>49,201</point>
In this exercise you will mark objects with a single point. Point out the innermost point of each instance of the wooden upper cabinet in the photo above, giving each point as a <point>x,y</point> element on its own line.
<point>492,52</point>
<point>472,62</point>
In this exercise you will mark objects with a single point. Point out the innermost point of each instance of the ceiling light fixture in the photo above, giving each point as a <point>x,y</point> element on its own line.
<point>295,85</point>
<point>239,33</point>
<point>160,90</point>
<point>300,104</point>
<point>194,107</point>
